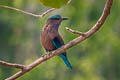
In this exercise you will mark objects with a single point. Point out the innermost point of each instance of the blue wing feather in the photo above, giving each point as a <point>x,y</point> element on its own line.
<point>57,43</point>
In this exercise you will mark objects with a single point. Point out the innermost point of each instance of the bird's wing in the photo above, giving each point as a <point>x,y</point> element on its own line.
<point>58,42</point>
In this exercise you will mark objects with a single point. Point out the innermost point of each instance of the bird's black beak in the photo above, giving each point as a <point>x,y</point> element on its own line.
<point>64,18</point>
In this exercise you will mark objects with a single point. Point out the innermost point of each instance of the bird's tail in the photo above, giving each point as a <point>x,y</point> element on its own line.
<point>65,60</point>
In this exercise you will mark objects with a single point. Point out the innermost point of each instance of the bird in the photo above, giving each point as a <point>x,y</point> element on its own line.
<point>51,39</point>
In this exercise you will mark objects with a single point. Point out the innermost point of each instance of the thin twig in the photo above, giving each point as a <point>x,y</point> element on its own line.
<point>69,1</point>
<point>18,66</point>
<point>28,13</point>
<point>48,11</point>
<point>31,14</point>
<point>75,31</point>
<point>72,43</point>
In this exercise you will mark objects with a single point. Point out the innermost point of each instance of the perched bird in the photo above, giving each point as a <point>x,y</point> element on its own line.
<point>50,38</point>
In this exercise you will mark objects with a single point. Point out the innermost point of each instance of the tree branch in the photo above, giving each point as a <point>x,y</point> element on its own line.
<point>75,32</point>
<point>31,14</point>
<point>28,13</point>
<point>18,66</point>
<point>72,43</point>
<point>69,1</point>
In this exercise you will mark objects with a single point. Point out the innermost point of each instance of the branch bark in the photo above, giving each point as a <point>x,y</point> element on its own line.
<point>28,13</point>
<point>18,66</point>
<point>72,43</point>
<point>75,32</point>
<point>31,14</point>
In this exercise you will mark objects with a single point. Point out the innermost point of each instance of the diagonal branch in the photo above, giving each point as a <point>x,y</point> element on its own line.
<point>18,66</point>
<point>69,1</point>
<point>28,13</point>
<point>75,31</point>
<point>31,14</point>
<point>72,43</point>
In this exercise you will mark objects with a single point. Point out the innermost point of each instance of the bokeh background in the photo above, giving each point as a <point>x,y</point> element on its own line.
<point>97,58</point>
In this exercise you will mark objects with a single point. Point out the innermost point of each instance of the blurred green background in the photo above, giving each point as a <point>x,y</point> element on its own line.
<point>97,58</point>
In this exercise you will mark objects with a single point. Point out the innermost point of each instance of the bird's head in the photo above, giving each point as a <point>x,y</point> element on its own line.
<point>57,17</point>
<point>55,21</point>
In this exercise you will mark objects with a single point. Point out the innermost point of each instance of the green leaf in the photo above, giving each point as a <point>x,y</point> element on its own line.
<point>54,3</point>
